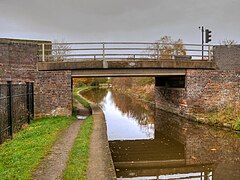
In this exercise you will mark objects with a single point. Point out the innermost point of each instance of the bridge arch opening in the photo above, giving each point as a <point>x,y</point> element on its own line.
<point>170,81</point>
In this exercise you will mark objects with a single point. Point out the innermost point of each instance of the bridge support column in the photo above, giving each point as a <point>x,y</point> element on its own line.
<point>203,91</point>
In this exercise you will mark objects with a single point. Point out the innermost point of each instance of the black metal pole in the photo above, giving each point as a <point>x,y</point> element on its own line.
<point>10,120</point>
<point>32,100</point>
<point>28,103</point>
<point>202,41</point>
<point>0,121</point>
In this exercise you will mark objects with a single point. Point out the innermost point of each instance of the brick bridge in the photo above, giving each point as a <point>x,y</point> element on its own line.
<point>187,79</point>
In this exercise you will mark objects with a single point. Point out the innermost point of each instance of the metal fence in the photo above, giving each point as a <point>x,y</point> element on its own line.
<point>123,51</point>
<point>16,108</point>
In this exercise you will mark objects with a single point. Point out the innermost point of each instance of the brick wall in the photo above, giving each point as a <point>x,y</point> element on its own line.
<point>18,63</point>
<point>53,93</point>
<point>227,57</point>
<point>205,90</point>
<point>208,90</point>
<point>17,60</point>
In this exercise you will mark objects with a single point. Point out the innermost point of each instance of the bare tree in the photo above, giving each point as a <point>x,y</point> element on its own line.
<point>229,42</point>
<point>179,48</point>
<point>166,48</point>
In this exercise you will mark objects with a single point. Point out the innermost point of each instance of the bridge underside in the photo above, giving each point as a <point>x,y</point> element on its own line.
<point>118,68</point>
<point>127,72</point>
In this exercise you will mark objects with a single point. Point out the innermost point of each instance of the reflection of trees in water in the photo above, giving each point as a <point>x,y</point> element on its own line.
<point>96,95</point>
<point>133,108</point>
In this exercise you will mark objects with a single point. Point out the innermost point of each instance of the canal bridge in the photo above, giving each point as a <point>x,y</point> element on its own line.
<point>188,77</point>
<point>110,59</point>
<point>186,80</point>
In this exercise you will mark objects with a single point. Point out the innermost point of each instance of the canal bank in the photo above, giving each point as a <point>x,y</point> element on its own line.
<point>227,118</point>
<point>100,165</point>
<point>148,143</point>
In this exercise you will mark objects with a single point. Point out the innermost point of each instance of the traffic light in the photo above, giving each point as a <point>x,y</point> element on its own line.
<point>208,35</point>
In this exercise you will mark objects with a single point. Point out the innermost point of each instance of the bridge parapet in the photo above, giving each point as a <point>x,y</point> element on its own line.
<point>55,52</point>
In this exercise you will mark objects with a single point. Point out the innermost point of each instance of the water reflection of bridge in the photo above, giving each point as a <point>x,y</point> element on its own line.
<point>183,172</point>
<point>153,158</point>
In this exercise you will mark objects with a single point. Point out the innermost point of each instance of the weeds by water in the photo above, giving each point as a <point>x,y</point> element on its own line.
<point>236,125</point>
<point>78,160</point>
<point>228,116</point>
<point>20,156</point>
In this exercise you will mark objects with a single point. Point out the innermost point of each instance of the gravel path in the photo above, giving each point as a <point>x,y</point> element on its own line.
<point>53,165</point>
<point>100,166</point>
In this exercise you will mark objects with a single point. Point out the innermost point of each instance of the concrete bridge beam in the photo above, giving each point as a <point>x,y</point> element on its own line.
<point>125,64</point>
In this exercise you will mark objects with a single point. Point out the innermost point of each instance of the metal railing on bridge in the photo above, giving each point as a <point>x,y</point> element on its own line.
<point>51,52</point>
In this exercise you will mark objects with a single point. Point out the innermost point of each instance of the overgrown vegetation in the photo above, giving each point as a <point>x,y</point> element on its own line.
<point>228,117</point>
<point>20,156</point>
<point>236,125</point>
<point>78,160</point>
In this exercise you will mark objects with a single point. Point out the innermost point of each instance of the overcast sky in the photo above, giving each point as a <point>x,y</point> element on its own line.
<point>119,20</point>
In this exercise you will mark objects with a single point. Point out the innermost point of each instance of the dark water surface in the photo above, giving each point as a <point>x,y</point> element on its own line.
<point>152,144</point>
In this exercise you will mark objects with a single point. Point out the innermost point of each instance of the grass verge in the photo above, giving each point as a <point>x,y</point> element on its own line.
<point>79,98</point>
<point>20,156</point>
<point>78,159</point>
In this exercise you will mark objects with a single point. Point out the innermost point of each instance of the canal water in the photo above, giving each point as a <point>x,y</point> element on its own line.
<point>147,143</point>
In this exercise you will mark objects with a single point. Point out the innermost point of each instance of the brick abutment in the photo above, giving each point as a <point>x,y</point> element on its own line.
<point>204,91</point>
